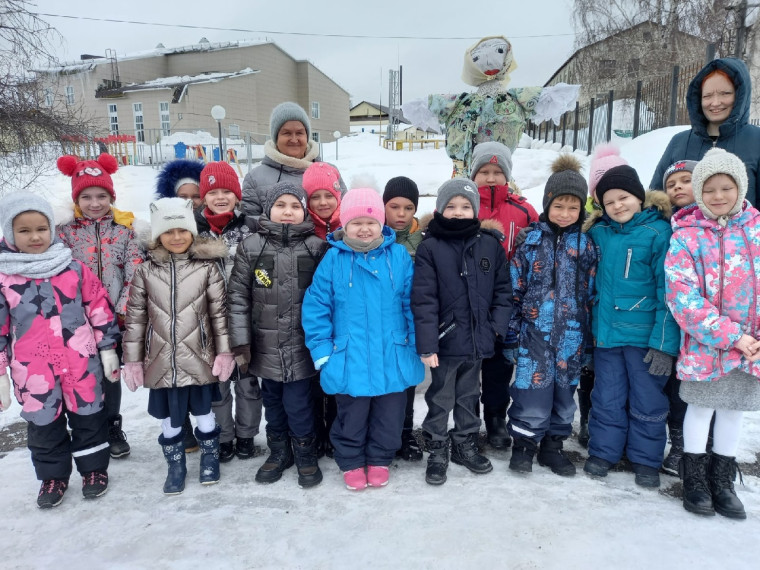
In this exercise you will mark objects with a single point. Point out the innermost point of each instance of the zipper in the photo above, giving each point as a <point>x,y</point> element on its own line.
<point>148,340</point>
<point>628,263</point>
<point>97,241</point>
<point>173,321</point>
<point>511,242</point>
<point>721,253</point>
<point>203,332</point>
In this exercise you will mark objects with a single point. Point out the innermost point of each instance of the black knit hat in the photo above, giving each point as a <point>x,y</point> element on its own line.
<point>621,177</point>
<point>401,187</point>
<point>566,180</point>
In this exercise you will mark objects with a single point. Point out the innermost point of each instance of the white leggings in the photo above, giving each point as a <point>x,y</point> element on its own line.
<point>696,426</point>
<point>206,424</point>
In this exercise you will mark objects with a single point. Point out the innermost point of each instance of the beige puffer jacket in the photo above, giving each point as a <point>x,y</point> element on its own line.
<point>176,320</point>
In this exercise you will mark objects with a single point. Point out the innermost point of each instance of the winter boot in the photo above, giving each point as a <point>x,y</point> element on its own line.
<point>696,490</point>
<point>244,448</point>
<point>209,444</point>
<point>51,493</point>
<point>94,484</point>
<point>496,428</point>
<point>721,478</point>
<point>410,449</point>
<point>523,451</point>
<point>670,465</point>
<point>280,458</point>
<point>227,451</point>
<point>117,439</point>
<point>550,455</point>
<point>438,461</point>
<point>191,444</point>
<point>174,452</point>
<point>646,476</point>
<point>305,452</point>
<point>597,467</point>
<point>466,453</point>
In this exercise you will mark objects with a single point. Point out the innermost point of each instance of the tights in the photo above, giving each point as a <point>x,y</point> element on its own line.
<point>696,425</point>
<point>206,424</point>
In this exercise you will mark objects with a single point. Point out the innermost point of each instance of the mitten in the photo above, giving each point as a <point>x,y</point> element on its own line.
<point>5,391</point>
<point>510,355</point>
<point>321,362</point>
<point>242,356</point>
<point>111,364</point>
<point>662,364</point>
<point>133,375</point>
<point>224,365</point>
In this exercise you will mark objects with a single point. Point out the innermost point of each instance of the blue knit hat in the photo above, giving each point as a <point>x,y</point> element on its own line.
<point>176,173</point>
<point>285,112</point>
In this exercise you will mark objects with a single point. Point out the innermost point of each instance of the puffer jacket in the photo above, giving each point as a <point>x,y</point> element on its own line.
<point>712,290</point>
<point>233,233</point>
<point>273,268</point>
<point>357,313</point>
<point>629,305</point>
<point>512,211</point>
<point>177,315</point>
<point>111,251</point>
<point>736,134</point>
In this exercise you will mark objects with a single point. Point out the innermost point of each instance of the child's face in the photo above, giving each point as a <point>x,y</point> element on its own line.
<point>287,209</point>
<point>95,202</point>
<point>490,175</point>
<point>364,229</point>
<point>176,240</point>
<point>620,205</point>
<point>220,200</point>
<point>565,211</point>
<point>31,232</point>
<point>678,188</point>
<point>190,192</point>
<point>719,194</point>
<point>458,208</point>
<point>323,203</point>
<point>399,213</point>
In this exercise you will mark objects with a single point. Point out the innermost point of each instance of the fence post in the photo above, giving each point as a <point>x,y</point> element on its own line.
<point>590,125</point>
<point>554,132</point>
<point>563,127</point>
<point>637,109</point>
<point>609,115</point>
<point>575,127</point>
<point>674,96</point>
<point>546,133</point>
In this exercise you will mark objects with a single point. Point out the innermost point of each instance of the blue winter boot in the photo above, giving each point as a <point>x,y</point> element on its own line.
<point>209,444</point>
<point>174,452</point>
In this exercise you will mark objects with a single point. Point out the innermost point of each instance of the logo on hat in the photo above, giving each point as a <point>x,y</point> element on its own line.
<point>91,171</point>
<point>211,179</point>
<point>494,160</point>
<point>469,188</point>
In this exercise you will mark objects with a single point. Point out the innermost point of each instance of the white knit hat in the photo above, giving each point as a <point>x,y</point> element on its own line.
<point>170,213</point>
<point>17,203</point>
<point>719,161</point>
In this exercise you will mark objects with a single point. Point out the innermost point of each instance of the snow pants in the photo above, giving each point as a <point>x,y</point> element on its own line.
<point>455,386</point>
<point>247,418</point>
<point>536,412</point>
<point>288,407</point>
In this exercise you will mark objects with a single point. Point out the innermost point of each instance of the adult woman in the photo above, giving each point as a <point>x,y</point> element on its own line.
<point>718,100</point>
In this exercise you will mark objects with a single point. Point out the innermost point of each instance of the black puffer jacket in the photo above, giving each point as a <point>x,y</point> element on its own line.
<point>272,270</point>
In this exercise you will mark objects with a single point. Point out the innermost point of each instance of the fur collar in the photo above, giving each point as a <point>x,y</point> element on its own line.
<point>312,153</point>
<point>492,224</point>
<point>202,248</point>
<point>653,199</point>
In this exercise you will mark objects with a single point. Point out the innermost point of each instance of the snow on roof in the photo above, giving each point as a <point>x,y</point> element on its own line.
<point>178,80</point>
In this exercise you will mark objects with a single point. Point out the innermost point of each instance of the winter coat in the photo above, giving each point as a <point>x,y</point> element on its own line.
<point>357,312</point>
<point>177,315</point>
<point>712,284</point>
<point>553,285</point>
<point>513,212</point>
<point>736,134</point>
<point>51,332</point>
<point>233,233</point>
<point>462,294</point>
<point>629,304</point>
<point>110,250</point>
<point>273,268</point>
<point>411,237</point>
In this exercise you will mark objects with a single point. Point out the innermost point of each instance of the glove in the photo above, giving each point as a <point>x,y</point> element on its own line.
<point>224,365</point>
<point>662,364</point>
<point>133,375</point>
<point>5,392</point>
<point>521,235</point>
<point>321,362</point>
<point>510,355</point>
<point>111,364</point>
<point>242,357</point>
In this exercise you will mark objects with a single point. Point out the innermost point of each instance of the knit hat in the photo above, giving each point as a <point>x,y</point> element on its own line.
<point>176,173</point>
<point>457,187</point>
<point>17,203</point>
<point>401,187</point>
<point>89,173</point>
<point>565,180</point>
<point>718,161</point>
<point>321,176</point>
<point>491,152</point>
<point>170,213</point>
<point>220,175</point>
<point>285,112</point>
<point>680,166</point>
<point>605,157</point>
<point>361,202</point>
<point>621,177</point>
<point>284,188</point>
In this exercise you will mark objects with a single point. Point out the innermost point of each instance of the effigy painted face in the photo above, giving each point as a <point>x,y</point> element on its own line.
<point>489,55</point>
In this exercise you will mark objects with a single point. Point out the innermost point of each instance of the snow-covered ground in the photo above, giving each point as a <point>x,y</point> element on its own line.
<point>498,520</point>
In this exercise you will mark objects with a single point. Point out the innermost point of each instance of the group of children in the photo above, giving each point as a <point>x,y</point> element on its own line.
<point>351,293</point>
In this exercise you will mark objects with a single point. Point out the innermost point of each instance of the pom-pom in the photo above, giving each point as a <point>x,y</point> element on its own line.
<point>606,150</point>
<point>67,164</point>
<point>108,162</point>
<point>566,162</point>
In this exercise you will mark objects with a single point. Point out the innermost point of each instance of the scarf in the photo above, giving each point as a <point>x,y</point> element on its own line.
<point>452,228</point>
<point>358,245</point>
<point>35,265</point>
<point>218,221</point>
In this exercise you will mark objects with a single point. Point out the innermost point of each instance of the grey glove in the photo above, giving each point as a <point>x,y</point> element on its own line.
<point>521,235</point>
<point>662,364</point>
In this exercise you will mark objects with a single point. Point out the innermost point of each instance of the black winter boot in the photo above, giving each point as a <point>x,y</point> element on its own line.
<point>722,474</point>
<point>280,458</point>
<point>496,428</point>
<point>438,461</point>
<point>117,439</point>
<point>523,451</point>
<point>209,444</point>
<point>696,490</point>
<point>51,493</point>
<point>466,453</point>
<point>670,465</point>
<point>550,455</point>
<point>227,451</point>
<point>174,452</point>
<point>191,444</point>
<point>245,448</point>
<point>305,452</point>
<point>410,449</point>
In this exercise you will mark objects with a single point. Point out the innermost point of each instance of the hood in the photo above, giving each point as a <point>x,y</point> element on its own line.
<point>739,75</point>
<point>335,239</point>
<point>275,159</point>
<point>656,202</point>
<point>692,217</point>
<point>202,248</point>
<point>472,75</point>
<point>270,229</point>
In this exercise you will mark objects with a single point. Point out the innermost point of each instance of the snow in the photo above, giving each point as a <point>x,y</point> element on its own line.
<point>473,521</point>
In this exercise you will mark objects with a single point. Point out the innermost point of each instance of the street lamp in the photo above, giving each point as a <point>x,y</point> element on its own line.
<point>336,134</point>
<point>218,113</point>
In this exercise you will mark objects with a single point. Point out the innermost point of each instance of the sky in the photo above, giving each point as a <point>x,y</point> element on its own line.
<point>540,31</point>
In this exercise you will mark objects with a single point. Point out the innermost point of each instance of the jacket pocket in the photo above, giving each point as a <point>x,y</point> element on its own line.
<point>333,373</point>
<point>263,272</point>
<point>306,268</point>
<point>148,339</point>
<point>204,337</point>
<point>446,325</point>
<point>635,303</point>
<point>407,360</point>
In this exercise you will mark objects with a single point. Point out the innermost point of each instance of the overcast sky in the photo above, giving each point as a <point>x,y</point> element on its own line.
<point>540,32</point>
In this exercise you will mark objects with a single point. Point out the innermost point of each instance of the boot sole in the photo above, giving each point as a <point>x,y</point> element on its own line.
<point>207,483</point>
<point>698,510</point>
<point>561,473</point>
<point>435,482</point>
<point>46,506</point>
<point>170,493</point>
<point>521,469</point>
<point>119,455</point>
<point>732,514</point>
<point>95,495</point>
<point>477,472</point>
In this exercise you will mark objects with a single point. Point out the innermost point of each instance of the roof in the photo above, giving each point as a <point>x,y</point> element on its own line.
<point>383,110</point>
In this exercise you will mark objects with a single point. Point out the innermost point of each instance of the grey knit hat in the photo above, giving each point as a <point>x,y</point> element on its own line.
<point>285,112</point>
<point>457,187</point>
<point>17,203</point>
<point>680,166</point>
<point>170,213</point>
<point>719,161</point>
<point>491,152</point>
<point>565,180</point>
<point>284,188</point>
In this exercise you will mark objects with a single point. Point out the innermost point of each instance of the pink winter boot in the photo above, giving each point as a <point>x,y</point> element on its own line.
<point>377,475</point>
<point>355,479</point>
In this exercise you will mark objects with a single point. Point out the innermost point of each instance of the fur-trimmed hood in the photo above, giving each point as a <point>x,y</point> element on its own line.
<point>653,199</point>
<point>202,248</point>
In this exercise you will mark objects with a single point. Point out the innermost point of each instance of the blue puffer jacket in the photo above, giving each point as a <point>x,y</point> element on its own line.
<point>356,311</point>
<point>629,307</point>
<point>736,134</point>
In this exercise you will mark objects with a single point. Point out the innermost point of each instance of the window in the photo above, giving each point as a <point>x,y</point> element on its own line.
<point>233,131</point>
<point>315,136</point>
<point>165,118</point>
<point>49,97</point>
<point>607,68</point>
<point>314,110</point>
<point>139,124</point>
<point>634,65</point>
<point>69,95</point>
<point>113,119</point>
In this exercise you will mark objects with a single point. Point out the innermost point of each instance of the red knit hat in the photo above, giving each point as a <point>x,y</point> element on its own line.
<point>321,176</point>
<point>359,203</point>
<point>89,173</point>
<point>220,175</point>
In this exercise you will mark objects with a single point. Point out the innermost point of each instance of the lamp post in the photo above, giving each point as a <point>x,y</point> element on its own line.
<point>218,113</point>
<point>336,134</point>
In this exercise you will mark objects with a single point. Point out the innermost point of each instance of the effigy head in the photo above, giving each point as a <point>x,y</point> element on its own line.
<point>491,59</point>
